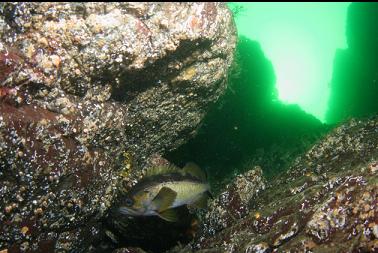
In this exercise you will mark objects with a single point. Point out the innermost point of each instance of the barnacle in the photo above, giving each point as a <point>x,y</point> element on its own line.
<point>127,164</point>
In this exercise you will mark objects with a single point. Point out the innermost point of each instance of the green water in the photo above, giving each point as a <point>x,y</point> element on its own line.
<point>250,126</point>
<point>300,39</point>
<point>300,69</point>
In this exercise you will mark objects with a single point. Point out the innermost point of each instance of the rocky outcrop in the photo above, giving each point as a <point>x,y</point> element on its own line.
<point>88,93</point>
<point>326,202</point>
<point>355,69</point>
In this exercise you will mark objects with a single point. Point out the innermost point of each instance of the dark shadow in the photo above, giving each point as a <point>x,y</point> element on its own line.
<point>249,126</point>
<point>149,233</point>
<point>354,87</point>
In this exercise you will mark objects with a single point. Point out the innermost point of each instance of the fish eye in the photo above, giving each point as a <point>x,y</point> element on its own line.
<point>129,202</point>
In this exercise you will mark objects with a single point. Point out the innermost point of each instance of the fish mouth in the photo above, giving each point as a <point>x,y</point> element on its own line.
<point>128,211</point>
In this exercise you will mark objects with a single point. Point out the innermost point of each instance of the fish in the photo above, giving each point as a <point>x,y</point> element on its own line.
<point>164,188</point>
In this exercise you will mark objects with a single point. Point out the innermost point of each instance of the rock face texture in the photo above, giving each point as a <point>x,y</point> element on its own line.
<point>89,92</point>
<point>326,202</point>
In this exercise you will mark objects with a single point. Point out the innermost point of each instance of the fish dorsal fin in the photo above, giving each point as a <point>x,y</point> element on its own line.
<point>201,202</point>
<point>195,171</point>
<point>169,215</point>
<point>164,199</point>
<point>160,170</point>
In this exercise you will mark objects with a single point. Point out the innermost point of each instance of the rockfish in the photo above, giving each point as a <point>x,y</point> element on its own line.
<point>164,188</point>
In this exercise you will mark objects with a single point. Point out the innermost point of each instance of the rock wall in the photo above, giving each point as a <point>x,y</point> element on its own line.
<point>326,202</point>
<point>88,93</point>
<point>355,69</point>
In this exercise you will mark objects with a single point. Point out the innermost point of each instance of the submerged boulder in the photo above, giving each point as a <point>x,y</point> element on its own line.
<point>326,202</point>
<point>88,93</point>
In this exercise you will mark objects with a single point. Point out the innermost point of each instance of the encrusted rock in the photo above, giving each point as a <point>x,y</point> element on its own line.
<point>233,203</point>
<point>88,92</point>
<point>326,202</point>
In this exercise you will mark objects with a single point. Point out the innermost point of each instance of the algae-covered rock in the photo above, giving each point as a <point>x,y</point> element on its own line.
<point>88,92</point>
<point>233,203</point>
<point>326,202</point>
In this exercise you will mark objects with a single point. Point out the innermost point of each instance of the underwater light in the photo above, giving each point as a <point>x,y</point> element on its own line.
<point>300,39</point>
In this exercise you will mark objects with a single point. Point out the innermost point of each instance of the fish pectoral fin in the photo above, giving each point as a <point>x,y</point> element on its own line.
<point>195,171</point>
<point>164,199</point>
<point>201,202</point>
<point>168,215</point>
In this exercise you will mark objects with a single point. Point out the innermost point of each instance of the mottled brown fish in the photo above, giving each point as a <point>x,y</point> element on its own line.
<point>164,188</point>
